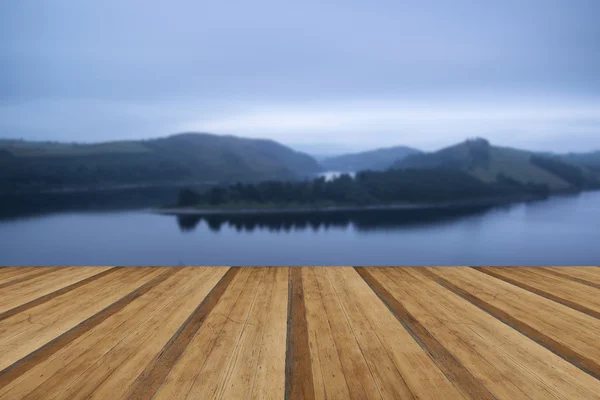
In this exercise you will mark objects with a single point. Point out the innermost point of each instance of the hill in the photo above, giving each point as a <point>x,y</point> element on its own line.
<point>187,157</point>
<point>489,163</point>
<point>591,159</point>
<point>374,160</point>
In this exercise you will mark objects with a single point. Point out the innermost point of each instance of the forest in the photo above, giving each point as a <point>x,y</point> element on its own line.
<point>367,188</point>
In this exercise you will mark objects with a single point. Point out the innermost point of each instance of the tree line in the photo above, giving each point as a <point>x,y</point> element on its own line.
<point>367,188</point>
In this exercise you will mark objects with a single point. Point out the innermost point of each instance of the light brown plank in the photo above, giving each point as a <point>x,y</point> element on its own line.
<point>366,311</point>
<point>215,371</point>
<point>188,333</point>
<point>112,374</point>
<point>20,274</point>
<point>567,273</point>
<point>246,361</point>
<point>43,299</point>
<point>24,333</point>
<point>185,372</point>
<point>325,365</point>
<point>461,377</point>
<point>9,273</point>
<point>269,379</point>
<point>31,289</point>
<point>589,274</point>
<point>568,333</point>
<point>572,294</point>
<point>359,344</point>
<point>156,370</point>
<point>509,364</point>
<point>105,330</point>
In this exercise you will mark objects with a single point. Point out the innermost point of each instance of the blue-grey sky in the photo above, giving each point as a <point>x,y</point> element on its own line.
<point>317,74</point>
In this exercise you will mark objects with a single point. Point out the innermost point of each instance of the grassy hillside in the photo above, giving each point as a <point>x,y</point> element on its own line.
<point>189,157</point>
<point>488,163</point>
<point>374,160</point>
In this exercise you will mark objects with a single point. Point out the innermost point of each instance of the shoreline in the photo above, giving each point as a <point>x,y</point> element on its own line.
<point>332,209</point>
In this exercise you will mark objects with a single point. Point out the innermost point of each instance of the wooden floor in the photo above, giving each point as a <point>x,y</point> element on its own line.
<point>299,333</point>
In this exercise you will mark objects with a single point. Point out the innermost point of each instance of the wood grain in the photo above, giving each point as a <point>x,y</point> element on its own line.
<point>444,359</point>
<point>574,343</point>
<point>298,370</point>
<point>148,382</point>
<point>12,369</point>
<point>299,332</point>
<point>101,272</point>
<point>571,294</point>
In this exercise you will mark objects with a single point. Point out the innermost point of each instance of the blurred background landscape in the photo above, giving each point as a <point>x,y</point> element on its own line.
<point>388,133</point>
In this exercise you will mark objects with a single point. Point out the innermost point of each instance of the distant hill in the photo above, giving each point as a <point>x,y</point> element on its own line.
<point>591,159</point>
<point>374,160</point>
<point>186,157</point>
<point>490,163</point>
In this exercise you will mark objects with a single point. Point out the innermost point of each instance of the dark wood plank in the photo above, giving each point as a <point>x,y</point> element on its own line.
<point>298,370</point>
<point>446,362</point>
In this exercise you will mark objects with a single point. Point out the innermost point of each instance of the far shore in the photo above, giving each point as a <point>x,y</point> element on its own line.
<point>329,209</point>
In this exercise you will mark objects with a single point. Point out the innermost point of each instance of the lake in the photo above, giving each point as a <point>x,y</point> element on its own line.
<point>562,230</point>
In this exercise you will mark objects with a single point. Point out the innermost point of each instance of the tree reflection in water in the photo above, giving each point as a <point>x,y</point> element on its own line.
<point>365,220</point>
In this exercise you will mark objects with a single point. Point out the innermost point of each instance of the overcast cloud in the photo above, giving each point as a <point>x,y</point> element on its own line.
<point>354,74</point>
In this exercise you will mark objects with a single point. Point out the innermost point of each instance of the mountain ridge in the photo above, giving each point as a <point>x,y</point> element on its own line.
<point>187,156</point>
<point>490,163</point>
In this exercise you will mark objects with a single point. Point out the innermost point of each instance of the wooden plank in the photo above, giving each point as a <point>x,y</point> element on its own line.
<point>452,368</point>
<point>567,333</point>
<point>28,290</point>
<point>323,358</point>
<point>572,294</point>
<point>215,371</point>
<point>298,372</point>
<point>8,273</point>
<point>156,371</point>
<point>369,369</point>
<point>465,347</point>
<point>566,273</point>
<point>242,370</point>
<point>185,372</point>
<point>93,344</point>
<point>187,333</point>
<point>423,378</point>
<point>269,379</point>
<point>65,318</point>
<point>507,362</point>
<point>21,274</point>
<point>25,332</point>
<point>112,374</point>
<point>74,373</point>
<point>41,300</point>
<point>589,274</point>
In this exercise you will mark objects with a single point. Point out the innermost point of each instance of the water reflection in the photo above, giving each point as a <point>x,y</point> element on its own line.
<point>28,205</point>
<point>362,220</point>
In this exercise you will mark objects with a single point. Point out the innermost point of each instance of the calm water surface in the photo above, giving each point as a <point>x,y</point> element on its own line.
<point>561,230</point>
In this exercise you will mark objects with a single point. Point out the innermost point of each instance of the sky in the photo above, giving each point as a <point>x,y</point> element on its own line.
<point>322,76</point>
